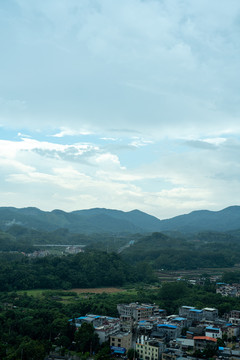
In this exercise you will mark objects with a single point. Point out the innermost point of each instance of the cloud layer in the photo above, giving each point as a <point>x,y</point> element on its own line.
<point>129,104</point>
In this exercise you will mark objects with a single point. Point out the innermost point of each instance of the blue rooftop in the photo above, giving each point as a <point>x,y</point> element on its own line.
<point>211,328</point>
<point>81,317</point>
<point>197,311</point>
<point>179,319</point>
<point>167,325</point>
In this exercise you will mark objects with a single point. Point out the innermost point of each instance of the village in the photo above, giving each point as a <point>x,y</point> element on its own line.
<point>154,335</point>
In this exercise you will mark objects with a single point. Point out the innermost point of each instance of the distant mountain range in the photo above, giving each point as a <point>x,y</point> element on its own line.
<point>115,221</point>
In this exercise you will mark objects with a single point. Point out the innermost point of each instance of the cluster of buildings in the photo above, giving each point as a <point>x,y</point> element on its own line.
<point>228,290</point>
<point>74,249</point>
<point>154,335</point>
<point>37,254</point>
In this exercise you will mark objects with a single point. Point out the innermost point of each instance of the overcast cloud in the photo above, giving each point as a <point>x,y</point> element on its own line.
<point>120,104</point>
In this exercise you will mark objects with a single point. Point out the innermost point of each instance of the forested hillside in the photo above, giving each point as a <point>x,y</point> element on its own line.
<point>192,252</point>
<point>90,269</point>
<point>109,221</point>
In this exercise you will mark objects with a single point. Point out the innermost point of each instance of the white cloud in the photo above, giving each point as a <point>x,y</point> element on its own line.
<point>164,68</point>
<point>71,132</point>
<point>152,87</point>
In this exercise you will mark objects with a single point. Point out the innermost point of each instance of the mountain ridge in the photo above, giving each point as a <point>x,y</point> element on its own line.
<point>103,220</point>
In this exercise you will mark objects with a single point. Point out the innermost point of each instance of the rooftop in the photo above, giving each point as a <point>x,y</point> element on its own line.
<point>207,338</point>
<point>167,326</point>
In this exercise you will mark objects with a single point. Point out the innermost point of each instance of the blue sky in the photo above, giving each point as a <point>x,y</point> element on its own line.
<point>120,104</point>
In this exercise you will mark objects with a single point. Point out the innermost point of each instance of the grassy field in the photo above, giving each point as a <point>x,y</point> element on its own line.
<point>35,292</point>
<point>109,290</point>
<point>167,275</point>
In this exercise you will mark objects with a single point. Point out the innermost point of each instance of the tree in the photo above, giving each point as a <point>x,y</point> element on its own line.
<point>132,354</point>
<point>30,349</point>
<point>86,339</point>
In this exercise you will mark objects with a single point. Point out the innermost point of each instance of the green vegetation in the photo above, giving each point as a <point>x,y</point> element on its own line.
<point>32,326</point>
<point>34,321</point>
<point>158,251</point>
<point>190,252</point>
<point>89,269</point>
<point>231,277</point>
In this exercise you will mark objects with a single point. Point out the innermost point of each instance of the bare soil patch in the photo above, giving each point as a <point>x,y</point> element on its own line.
<point>97,290</point>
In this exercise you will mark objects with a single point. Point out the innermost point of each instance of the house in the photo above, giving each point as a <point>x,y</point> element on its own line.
<point>180,321</point>
<point>121,340</point>
<point>213,332</point>
<point>167,331</point>
<point>201,342</point>
<point>195,315</point>
<point>139,311</point>
<point>231,331</point>
<point>104,326</point>
<point>210,314</point>
<point>235,317</point>
<point>126,323</point>
<point>185,344</point>
<point>184,310</point>
<point>150,349</point>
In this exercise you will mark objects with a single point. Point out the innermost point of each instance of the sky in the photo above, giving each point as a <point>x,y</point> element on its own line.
<point>131,104</point>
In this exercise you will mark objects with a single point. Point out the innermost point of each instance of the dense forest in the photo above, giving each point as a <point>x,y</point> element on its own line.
<point>170,251</point>
<point>88,269</point>
<point>201,250</point>
<point>19,238</point>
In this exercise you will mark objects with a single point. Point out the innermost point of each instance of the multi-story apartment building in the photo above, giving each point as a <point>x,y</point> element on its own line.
<point>121,340</point>
<point>138,311</point>
<point>210,314</point>
<point>150,349</point>
<point>213,332</point>
<point>235,314</point>
<point>180,321</point>
<point>184,310</point>
<point>195,315</point>
<point>201,342</point>
<point>231,330</point>
<point>167,331</point>
<point>104,326</point>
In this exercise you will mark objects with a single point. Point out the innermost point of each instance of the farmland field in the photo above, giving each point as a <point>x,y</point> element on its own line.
<point>109,290</point>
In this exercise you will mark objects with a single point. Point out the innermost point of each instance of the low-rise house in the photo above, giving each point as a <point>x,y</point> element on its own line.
<point>185,344</point>
<point>227,290</point>
<point>121,340</point>
<point>213,332</point>
<point>139,311</point>
<point>172,354</point>
<point>145,326</point>
<point>167,331</point>
<point>150,349</point>
<point>126,323</point>
<point>195,315</point>
<point>210,314</point>
<point>198,330</point>
<point>181,322</point>
<point>235,317</point>
<point>235,314</point>
<point>231,331</point>
<point>104,326</point>
<point>227,353</point>
<point>184,310</point>
<point>201,342</point>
